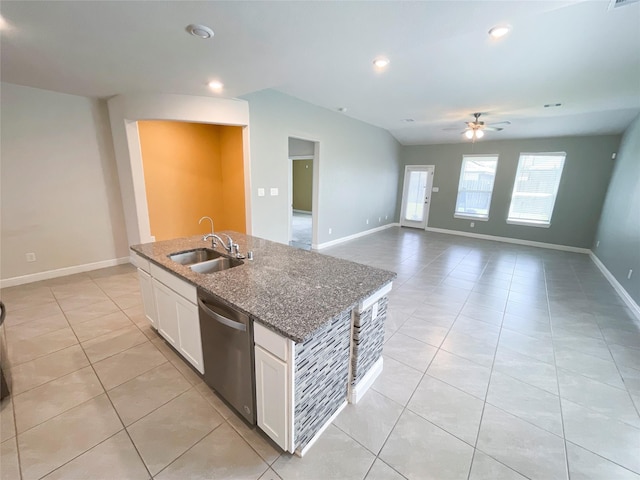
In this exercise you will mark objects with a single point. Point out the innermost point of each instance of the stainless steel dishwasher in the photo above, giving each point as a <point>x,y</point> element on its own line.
<point>227,349</point>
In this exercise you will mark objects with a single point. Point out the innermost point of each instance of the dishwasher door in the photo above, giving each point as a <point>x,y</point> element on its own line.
<point>227,349</point>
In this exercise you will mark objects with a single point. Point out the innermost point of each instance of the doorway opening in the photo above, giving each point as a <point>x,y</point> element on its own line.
<point>416,195</point>
<point>302,167</point>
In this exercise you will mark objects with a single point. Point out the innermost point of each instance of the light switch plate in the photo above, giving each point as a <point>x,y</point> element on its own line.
<point>274,192</point>
<point>261,192</point>
<point>435,189</point>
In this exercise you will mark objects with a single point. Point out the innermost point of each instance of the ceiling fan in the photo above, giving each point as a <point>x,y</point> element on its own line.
<point>476,128</point>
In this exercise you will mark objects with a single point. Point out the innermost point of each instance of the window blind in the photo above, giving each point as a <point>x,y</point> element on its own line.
<point>475,188</point>
<point>535,187</point>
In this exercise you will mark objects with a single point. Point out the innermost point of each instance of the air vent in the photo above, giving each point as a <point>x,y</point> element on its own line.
<point>620,3</point>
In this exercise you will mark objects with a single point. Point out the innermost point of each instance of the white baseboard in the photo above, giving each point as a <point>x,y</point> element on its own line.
<point>633,306</point>
<point>306,448</point>
<point>356,393</point>
<point>354,236</point>
<point>61,272</point>
<point>517,241</point>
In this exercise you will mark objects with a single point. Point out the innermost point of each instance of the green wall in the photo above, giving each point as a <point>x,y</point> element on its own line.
<point>582,190</point>
<point>302,184</point>
<point>619,228</point>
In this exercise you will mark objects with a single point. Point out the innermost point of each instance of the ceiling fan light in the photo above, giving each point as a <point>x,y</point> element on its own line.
<point>469,134</point>
<point>479,133</point>
<point>499,31</point>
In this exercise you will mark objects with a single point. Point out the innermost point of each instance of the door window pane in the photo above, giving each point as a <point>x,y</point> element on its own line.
<point>476,186</point>
<point>416,196</point>
<point>535,188</point>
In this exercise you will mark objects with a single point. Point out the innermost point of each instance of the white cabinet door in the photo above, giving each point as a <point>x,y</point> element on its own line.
<point>167,313</point>
<point>272,396</point>
<point>148,301</point>
<point>190,342</point>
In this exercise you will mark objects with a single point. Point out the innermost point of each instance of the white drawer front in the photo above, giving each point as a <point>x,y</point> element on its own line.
<point>140,262</point>
<point>181,287</point>
<point>272,342</point>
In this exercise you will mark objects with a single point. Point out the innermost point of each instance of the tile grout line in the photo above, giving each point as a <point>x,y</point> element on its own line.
<point>112,406</point>
<point>564,435</point>
<point>484,403</point>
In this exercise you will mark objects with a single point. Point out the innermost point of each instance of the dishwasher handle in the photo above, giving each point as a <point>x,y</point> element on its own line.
<point>221,318</point>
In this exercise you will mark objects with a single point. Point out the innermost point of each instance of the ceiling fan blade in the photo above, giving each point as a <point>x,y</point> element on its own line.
<point>498,123</point>
<point>492,129</point>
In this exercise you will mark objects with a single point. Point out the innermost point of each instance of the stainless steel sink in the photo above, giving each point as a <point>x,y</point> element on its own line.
<point>194,256</point>
<point>215,265</point>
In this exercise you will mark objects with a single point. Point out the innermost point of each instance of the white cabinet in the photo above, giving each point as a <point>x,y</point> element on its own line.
<point>170,305</point>
<point>179,323</point>
<point>274,385</point>
<point>271,396</point>
<point>167,312</point>
<point>148,301</point>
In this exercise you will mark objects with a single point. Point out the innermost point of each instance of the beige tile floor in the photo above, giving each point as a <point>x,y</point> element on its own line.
<point>501,362</point>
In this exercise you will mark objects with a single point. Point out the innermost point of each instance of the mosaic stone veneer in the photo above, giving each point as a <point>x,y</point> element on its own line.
<point>368,338</point>
<point>321,377</point>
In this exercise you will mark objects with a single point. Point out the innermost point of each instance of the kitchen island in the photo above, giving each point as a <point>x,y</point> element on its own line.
<point>318,325</point>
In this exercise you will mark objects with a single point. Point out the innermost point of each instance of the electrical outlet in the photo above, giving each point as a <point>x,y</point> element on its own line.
<point>386,217</point>
<point>274,192</point>
<point>30,257</point>
<point>379,219</point>
<point>261,192</point>
<point>367,221</point>
<point>597,243</point>
<point>473,224</point>
<point>629,275</point>
<point>330,230</point>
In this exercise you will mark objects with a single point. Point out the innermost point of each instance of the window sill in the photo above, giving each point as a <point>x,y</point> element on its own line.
<point>528,224</point>
<point>470,217</point>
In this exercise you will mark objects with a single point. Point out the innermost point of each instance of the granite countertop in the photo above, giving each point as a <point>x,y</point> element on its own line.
<point>292,291</point>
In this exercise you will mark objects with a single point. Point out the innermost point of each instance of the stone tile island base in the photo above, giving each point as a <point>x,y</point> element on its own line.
<point>337,365</point>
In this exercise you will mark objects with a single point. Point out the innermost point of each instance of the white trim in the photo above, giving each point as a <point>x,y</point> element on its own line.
<point>530,243</point>
<point>306,448</point>
<point>354,236</point>
<point>61,272</point>
<point>301,157</point>
<point>356,393</point>
<point>470,217</point>
<point>633,306</point>
<point>527,223</point>
<point>374,297</point>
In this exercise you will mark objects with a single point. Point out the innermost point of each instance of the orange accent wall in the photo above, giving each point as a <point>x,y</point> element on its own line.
<point>192,170</point>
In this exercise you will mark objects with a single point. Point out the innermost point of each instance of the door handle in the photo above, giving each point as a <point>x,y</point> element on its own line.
<point>221,318</point>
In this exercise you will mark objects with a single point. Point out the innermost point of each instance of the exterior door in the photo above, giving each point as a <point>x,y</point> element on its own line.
<point>416,195</point>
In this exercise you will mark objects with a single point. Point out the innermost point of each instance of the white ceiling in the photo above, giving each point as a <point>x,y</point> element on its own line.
<point>443,65</point>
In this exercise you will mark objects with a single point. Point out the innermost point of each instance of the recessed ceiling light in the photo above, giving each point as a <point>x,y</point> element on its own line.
<point>408,120</point>
<point>200,31</point>
<point>381,62</point>
<point>552,105</point>
<point>342,109</point>
<point>216,85</point>
<point>499,31</point>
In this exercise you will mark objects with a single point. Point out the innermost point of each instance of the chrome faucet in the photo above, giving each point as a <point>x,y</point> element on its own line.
<point>232,248</point>
<point>206,237</point>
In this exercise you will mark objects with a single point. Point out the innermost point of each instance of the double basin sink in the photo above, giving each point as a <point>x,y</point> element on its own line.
<point>205,260</point>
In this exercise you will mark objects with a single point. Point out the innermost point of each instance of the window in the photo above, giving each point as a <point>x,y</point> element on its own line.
<point>476,186</point>
<point>535,188</point>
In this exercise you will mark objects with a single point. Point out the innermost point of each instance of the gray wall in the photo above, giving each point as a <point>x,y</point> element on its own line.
<point>619,227</point>
<point>59,191</point>
<point>359,166</point>
<point>583,186</point>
